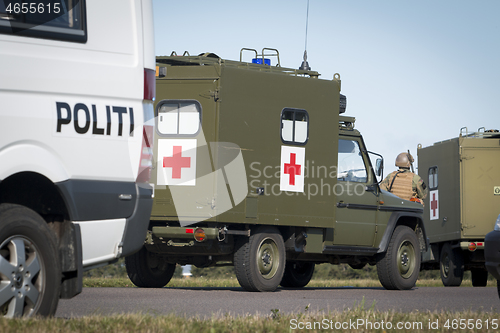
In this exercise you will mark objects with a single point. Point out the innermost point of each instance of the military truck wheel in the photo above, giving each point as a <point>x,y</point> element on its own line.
<point>398,268</point>
<point>479,277</point>
<point>259,261</point>
<point>297,274</point>
<point>451,266</point>
<point>30,269</point>
<point>147,270</point>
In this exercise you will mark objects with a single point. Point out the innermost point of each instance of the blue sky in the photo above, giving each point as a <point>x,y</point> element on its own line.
<point>413,71</point>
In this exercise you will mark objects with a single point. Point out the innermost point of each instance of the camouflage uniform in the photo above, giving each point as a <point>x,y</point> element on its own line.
<point>401,186</point>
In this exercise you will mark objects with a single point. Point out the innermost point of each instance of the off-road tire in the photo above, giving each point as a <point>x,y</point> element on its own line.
<point>297,274</point>
<point>498,288</point>
<point>259,261</point>
<point>479,277</point>
<point>147,270</point>
<point>29,262</point>
<point>451,266</point>
<point>399,266</point>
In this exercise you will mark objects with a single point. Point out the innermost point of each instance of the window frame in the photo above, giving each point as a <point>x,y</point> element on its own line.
<point>178,101</point>
<point>295,111</point>
<point>45,30</point>
<point>435,182</point>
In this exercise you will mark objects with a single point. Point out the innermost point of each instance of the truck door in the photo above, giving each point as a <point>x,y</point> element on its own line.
<point>356,207</point>
<point>480,181</point>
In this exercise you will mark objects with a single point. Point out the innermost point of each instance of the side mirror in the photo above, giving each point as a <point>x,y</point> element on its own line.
<point>379,166</point>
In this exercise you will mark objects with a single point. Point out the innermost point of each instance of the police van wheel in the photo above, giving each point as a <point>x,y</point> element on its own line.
<point>259,260</point>
<point>297,274</point>
<point>479,277</point>
<point>451,266</point>
<point>29,264</point>
<point>148,270</point>
<point>399,267</point>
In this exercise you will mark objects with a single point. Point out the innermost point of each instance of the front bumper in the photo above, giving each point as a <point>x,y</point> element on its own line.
<point>492,253</point>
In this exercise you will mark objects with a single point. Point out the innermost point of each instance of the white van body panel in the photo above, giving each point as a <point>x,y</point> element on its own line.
<point>71,125</point>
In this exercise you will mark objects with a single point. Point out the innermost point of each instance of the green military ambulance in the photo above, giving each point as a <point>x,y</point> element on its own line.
<point>256,167</point>
<point>463,203</point>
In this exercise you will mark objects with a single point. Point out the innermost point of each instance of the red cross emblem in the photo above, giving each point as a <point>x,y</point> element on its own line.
<point>177,162</point>
<point>292,169</point>
<point>434,204</point>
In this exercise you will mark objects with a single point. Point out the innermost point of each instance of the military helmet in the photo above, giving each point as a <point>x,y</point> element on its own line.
<point>404,160</point>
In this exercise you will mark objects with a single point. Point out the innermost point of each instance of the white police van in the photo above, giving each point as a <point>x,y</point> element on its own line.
<point>77,85</point>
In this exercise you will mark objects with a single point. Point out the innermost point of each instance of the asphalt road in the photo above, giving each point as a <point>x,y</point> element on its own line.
<point>204,302</point>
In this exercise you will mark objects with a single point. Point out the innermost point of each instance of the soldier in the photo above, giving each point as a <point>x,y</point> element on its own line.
<point>404,183</point>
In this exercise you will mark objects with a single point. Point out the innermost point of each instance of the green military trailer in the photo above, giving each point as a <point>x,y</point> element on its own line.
<point>463,203</point>
<point>256,167</point>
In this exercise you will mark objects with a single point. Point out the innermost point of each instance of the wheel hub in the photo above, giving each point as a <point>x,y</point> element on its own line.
<point>266,259</point>
<point>20,257</point>
<point>406,263</point>
<point>18,280</point>
<point>404,259</point>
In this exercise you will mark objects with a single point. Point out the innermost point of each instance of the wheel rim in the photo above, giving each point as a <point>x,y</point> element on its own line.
<point>406,259</point>
<point>268,259</point>
<point>21,277</point>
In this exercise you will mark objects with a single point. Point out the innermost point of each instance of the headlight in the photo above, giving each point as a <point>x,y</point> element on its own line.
<point>497,224</point>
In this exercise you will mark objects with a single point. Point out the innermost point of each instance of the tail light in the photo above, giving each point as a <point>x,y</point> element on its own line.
<point>149,84</point>
<point>199,235</point>
<point>146,161</point>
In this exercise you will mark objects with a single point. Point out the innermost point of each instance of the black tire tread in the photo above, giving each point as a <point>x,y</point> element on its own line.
<point>140,273</point>
<point>479,277</point>
<point>20,220</point>
<point>293,280</point>
<point>387,270</point>
<point>456,266</point>
<point>244,267</point>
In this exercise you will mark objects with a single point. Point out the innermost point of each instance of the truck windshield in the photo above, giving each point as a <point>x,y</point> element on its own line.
<point>351,166</point>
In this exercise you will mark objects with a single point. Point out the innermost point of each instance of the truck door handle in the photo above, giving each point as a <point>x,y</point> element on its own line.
<point>342,205</point>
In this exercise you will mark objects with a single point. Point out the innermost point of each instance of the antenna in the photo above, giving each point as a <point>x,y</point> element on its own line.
<point>305,64</point>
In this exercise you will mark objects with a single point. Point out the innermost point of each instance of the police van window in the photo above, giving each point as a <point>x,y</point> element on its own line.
<point>294,126</point>
<point>179,117</point>
<point>433,178</point>
<point>56,19</point>
<point>351,166</point>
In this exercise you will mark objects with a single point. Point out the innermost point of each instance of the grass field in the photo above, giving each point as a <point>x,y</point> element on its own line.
<point>356,319</point>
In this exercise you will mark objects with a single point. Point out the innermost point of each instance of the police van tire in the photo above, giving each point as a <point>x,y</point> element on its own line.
<point>259,261</point>
<point>297,274</point>
<point>147,270</point>
<point>399,266</point>
<point>451,266</point>
<point>479,277</point>
<point>29,262</point>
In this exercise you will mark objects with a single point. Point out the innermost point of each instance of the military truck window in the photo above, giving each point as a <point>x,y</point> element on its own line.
<point>56,19</point>
<point>179,117</point>
<point>351,166</point>
<point>433,178</point>
<point>294,126</point>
